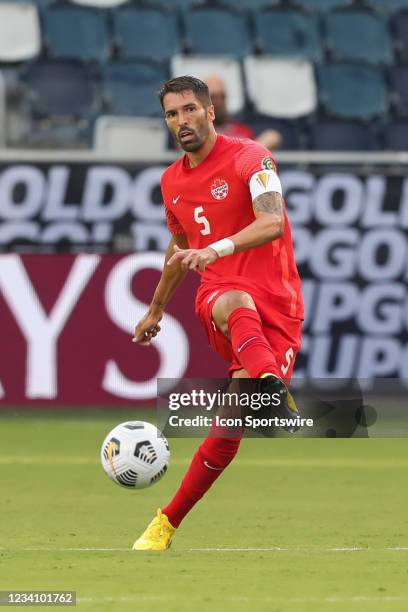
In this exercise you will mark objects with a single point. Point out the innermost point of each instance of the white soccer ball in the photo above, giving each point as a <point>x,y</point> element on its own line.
<point>135,454</point>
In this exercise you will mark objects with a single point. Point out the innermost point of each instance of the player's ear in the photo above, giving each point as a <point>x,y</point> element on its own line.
<point>211,112</point>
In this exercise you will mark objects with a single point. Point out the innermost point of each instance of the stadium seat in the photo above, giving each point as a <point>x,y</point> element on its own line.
<point>360,35</point>
<point>131,136</point>
<point>72,32</point>
<point>203,66</point>
<point>39,3</point>
<point>399,82</point>
<point>352,91</point>
<point>322,5</point>
<point>290,131</point>
<point>396,136</point>
<point>294,33</point>
<point>400,27</point>
<point>249,4</point>
<point>3,127</point>
<point>100,3</point>
<point>60,101</point>
<point>389,6</point>
<point>342,136</point>
<point>130,88</point>
<point>282,88</point>
<point>60,88</point>
<point>217,31</point>
<point>20,34</point>
<point>145,33</point>
<point>175,3</point>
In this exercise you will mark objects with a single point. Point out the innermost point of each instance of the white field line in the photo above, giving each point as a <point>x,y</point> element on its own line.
<point>305,549</point>
<point>181,461</point>
<point>293,549</point>
<point>73,549</point>
<point>300,600</point>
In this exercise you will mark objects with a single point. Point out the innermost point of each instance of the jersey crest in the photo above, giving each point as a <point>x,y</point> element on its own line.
<point>268,164</point>
<point>219,189</point>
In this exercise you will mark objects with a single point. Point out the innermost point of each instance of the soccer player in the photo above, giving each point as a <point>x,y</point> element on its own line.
<point>224,209</point>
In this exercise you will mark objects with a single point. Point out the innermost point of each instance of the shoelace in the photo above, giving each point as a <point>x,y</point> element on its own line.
<point>158,527</point>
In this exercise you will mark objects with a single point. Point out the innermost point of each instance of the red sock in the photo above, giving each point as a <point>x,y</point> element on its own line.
<point>249,343</point>
<point>208,463</point>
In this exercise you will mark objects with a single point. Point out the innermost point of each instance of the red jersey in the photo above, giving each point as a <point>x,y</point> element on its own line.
<point>213,201</point>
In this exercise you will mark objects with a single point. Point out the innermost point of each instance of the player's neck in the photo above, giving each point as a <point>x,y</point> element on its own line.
<point>196,158</point>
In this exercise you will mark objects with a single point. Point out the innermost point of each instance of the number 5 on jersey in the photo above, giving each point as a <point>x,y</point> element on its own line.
<point>201,219</point>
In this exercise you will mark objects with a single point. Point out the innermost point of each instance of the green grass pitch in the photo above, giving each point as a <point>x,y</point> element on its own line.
<point>292,525</point>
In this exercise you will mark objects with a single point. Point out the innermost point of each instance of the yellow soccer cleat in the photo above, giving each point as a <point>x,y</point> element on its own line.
<point>287,408</point>
<point>157,535</point>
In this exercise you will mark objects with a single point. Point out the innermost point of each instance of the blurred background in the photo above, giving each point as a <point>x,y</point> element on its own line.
<point>325,74</point>
<point>322,83</point>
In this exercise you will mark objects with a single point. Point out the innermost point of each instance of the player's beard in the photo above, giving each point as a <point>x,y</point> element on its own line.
<point>197,139</point>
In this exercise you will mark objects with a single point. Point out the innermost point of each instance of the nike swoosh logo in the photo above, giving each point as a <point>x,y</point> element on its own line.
<point>211,467</point>
<point>175,200</point>
<point>239,349</point>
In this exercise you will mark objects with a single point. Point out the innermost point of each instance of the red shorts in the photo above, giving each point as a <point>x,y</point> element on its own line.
<point>283,333</point>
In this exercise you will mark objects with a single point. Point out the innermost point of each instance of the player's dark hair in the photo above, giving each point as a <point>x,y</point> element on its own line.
<point>187,83</point>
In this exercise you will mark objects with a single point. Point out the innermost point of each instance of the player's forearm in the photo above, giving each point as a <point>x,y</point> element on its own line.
<point>261,231</point>
<point>171,277</point>
<point>169,282</point>
<point>269,224</point>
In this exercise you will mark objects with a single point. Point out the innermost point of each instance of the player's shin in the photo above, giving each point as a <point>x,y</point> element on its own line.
<point>249,343</point>
<point>208,463</point>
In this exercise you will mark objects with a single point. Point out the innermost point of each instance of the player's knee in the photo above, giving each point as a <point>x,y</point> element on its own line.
<point>242,373</point>
<point>225,306</point>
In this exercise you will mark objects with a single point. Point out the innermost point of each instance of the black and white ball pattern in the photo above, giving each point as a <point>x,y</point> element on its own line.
<point>135,454</point>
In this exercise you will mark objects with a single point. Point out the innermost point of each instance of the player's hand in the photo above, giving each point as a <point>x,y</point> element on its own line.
<point>193,259</point>
<point>147,328</point>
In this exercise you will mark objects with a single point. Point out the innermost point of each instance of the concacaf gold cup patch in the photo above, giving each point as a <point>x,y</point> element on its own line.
<point>268,164</point>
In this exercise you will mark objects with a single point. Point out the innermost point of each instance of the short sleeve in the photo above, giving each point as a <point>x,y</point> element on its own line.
<point>252,158</point>
<point>173,223</point>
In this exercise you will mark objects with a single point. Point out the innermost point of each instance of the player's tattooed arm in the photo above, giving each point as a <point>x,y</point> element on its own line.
<point>269,207</point>
<point>270,202</point>
<point>269,223</point>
